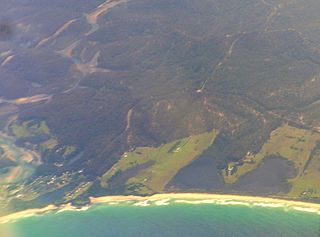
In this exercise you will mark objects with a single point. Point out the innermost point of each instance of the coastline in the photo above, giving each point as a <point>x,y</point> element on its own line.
<point>26,213</point>
<point>163,199</point>
<point>198,198</point>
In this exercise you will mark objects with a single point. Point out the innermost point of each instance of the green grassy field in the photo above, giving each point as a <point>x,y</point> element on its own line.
<point>292,143</point>
<point>29,128</point>
<point>296,145</point>
<point>307,184</point>
<point>165,161</point>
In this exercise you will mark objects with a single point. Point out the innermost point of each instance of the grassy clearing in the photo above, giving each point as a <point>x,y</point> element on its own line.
<point>69,150</point>
<point>19,131</point>
<point>29,128</point>
<point>49,144</point>
<point>308,183</point>
<point>166,161</point>
<point>289,142</point>
<point>32,130</point>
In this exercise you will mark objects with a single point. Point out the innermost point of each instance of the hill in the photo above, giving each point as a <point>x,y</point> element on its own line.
<point>96,97</point>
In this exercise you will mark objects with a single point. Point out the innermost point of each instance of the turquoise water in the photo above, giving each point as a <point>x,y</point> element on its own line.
<point>173,220</point>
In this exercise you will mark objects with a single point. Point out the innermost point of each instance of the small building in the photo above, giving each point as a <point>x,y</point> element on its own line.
<point>230,169</point>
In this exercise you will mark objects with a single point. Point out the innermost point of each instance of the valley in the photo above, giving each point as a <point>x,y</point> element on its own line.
<point>146,96</point>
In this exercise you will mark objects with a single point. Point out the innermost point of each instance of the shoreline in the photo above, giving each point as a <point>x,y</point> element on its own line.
<point>165,198</point>
<point>198,198</point>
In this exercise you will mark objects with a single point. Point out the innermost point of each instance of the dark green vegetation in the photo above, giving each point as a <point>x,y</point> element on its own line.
<point>142,75</point>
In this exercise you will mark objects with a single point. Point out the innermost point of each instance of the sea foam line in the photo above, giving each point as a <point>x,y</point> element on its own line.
<point>250,204</point>
<point>164,202</point>
<point>305,209</point>
<point>142,203</point>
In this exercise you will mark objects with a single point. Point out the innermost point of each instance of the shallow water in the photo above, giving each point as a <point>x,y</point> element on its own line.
<point>175,219</point>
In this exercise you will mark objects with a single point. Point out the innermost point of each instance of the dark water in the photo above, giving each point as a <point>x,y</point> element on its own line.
<point>173,220</point>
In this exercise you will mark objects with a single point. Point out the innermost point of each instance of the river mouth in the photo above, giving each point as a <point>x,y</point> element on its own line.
<point>16,163</point>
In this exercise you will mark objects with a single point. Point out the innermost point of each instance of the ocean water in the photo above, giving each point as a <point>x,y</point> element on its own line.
<point>175,219</point>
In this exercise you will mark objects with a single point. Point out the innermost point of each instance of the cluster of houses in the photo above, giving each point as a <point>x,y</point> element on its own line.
<point>232,166</point>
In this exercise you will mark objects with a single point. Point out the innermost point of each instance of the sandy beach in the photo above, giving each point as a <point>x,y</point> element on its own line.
<point>263,201</point>
<point>164,199</point>
<point>27,213</point>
